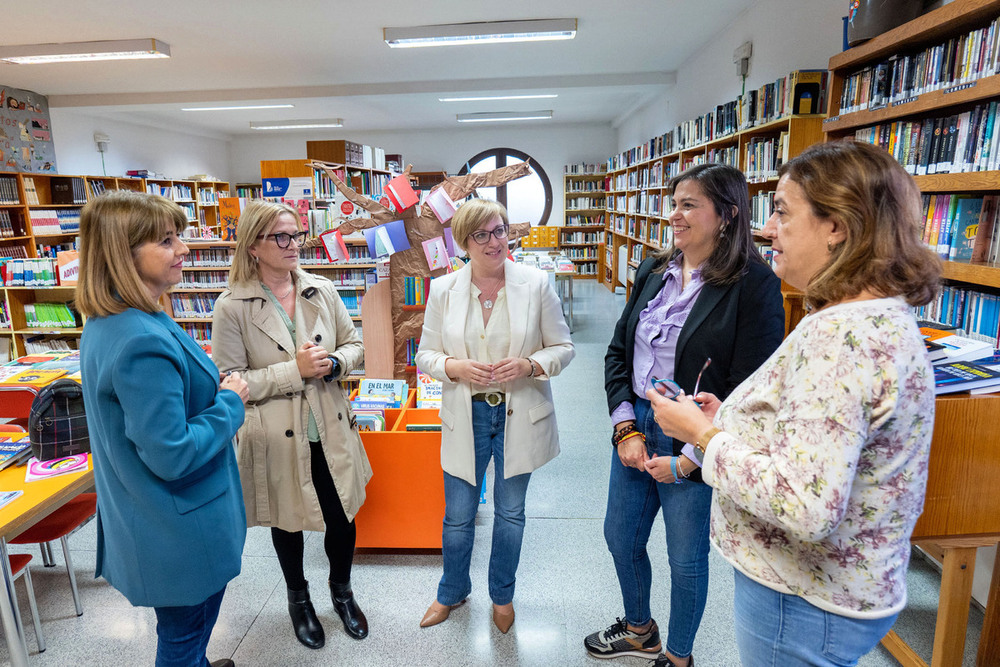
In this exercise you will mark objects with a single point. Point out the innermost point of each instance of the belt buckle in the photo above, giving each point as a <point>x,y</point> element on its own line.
<point>493,399</point>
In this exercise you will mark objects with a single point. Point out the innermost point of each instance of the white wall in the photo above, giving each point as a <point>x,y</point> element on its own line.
<point>786,35</point>
<point>445,150</point>
<point>176,155</point>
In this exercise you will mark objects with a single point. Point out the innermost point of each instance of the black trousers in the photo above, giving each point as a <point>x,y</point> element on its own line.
<point>339,537</point>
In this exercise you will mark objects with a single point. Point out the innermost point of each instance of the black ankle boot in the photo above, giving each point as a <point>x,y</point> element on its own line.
<point>354,619</point>
<point>307,627</point>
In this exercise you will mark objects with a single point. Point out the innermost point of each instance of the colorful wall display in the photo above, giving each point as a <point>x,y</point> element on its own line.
<point>25,132</point>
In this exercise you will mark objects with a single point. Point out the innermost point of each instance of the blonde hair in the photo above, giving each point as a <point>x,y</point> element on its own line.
<point>112,227</point>
<point>472,215</point>
<point>258,217</point>
<point>878,203</point>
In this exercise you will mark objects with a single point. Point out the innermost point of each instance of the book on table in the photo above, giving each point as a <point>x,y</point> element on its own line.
<point>14,449</point>
<point>956,347</point>
<point>964,376</point>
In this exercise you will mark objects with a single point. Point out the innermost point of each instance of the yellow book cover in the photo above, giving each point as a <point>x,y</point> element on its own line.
<point>36,377</point>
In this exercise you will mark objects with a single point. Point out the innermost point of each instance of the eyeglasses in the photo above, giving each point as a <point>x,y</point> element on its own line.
<point>672,389</point>
<point>482,237</point>
<point>283,240</point>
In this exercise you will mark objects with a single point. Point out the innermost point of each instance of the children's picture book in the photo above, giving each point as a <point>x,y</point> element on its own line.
<point>333,243</point>
<point>393,391</point>
<point>37,470</point>
<point>383,240</point>
<point>963,376</point>
<point>369,421</point>
<point>14,449</point>
<point>428,391</point>
<point>6,497</point>
<point>441,205</point>
<point>35,377</point>
<point>436,253</point>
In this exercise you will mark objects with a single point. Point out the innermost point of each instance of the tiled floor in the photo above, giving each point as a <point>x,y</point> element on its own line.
<point>566,583</point>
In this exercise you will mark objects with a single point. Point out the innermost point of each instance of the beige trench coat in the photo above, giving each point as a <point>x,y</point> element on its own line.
<point>249,336</point>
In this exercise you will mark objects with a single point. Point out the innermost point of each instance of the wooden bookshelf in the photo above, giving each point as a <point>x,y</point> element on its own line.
<point>589,189</point>
<point>958,516</point>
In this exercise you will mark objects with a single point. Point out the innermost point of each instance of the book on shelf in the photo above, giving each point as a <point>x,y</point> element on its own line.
<point>391,392</point>
<point>429,391</point>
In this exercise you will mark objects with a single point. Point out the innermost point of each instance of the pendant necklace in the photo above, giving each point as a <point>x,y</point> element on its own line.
<point>488,303</point>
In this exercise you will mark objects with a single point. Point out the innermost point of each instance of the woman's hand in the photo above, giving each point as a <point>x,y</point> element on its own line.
<point>710,404</point>
<point>632,451</point>
<point>469,371</point>
<point>312,361</point>
<point>511,368</point>
<point>679,418</point>
<point>235,382</point>
<point>659,468</point>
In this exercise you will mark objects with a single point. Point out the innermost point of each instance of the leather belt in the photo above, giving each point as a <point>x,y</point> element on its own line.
<point>492,399</point>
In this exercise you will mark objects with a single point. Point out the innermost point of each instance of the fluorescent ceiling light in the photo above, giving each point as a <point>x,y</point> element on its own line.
<point>497,116</point>
<point>296,124</point>
<point>121,49</point>
<point>240,108</point>
<point>496,97</point>
<point>487,32</point>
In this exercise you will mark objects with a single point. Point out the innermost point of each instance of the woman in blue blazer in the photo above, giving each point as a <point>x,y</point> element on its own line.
<point>170,520</point>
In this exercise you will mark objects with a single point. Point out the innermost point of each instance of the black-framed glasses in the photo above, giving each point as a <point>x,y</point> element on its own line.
<point>482,237</point>
<point>283,240</point>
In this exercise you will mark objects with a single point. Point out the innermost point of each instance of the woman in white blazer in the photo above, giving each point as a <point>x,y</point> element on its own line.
<point>494,334</point>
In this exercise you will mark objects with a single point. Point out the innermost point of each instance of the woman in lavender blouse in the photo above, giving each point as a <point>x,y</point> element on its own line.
<point>709,296</point>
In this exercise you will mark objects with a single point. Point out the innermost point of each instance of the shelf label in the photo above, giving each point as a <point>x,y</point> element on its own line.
<point>955,89</point>
<point>832,119</point>
<point>876,107</point>
<point>905,101</point>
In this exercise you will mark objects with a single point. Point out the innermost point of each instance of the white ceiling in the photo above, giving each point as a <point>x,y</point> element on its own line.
<point>327,58</point>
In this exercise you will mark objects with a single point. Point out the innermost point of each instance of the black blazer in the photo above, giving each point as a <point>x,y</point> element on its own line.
<point>738,326</point>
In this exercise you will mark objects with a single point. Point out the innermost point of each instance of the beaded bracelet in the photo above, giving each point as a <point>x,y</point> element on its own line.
<point>618,436</point>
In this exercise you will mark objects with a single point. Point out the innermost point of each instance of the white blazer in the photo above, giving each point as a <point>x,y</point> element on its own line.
<point>537,331</point>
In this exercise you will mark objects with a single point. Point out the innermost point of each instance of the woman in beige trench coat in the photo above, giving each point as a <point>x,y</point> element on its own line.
<point>301,461</point>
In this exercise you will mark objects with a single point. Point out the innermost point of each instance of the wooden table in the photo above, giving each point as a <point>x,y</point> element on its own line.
<point>961,513</point>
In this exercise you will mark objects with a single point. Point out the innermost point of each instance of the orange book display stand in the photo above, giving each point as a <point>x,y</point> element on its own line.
<point>404,502</point>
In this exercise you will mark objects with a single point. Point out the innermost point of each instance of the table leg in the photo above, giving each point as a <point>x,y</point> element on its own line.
<point>953,606</point>
<point>989,640</point>
<point>10,614</point>
<point>571,303</point>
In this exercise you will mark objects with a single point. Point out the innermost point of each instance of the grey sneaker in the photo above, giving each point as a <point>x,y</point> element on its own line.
<point>618,640</point>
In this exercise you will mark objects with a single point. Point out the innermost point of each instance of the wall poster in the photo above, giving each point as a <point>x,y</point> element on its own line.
<point>25,132</point>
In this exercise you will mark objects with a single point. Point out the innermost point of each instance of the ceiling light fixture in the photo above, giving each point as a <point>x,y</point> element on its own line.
<point>498,116</point>
<point>296,124</point>
<point>241,108</point>
<point>487,32</point>
<point>120,49</point>
<point>496,97</point>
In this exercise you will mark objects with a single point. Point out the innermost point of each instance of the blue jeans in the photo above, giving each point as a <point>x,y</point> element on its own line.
<point>183,632</point>
<point>461,501</point>
<point>634,498</point>
<point>776,629</point>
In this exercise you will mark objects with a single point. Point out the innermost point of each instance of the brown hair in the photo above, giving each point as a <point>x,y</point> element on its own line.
<point>878,203</point>
<point>112,227</point>
<point>258,217</point>
<point>472,215</point>
<point>727,189</point>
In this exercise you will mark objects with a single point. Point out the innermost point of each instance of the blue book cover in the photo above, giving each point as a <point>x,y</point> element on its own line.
<point>964,228</point>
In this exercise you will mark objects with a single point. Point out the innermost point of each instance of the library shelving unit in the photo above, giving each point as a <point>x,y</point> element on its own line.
<point>962,494</point>
<point>207,195</point>
<point>362,168</point>
<point>638,200</point>
<point>582,235</point>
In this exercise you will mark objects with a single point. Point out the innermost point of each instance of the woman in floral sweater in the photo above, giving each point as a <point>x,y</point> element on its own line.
<point>819,459</point>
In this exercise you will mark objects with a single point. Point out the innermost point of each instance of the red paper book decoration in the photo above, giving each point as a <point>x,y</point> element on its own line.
<point>400,193</point>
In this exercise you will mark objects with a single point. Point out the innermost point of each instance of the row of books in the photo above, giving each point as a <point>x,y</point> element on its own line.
<point>585,186</point>
<point>208,257</point>
<point>40,369</point>
<point>412,346</point>
<point>357,254</point>
<point>208,196</point>
<point>42,314</point>
<point>763,156</point>
<point>96,188</point>
<point>729,155</point>
<point>8,190</point>
<point>200,332</point>
<point>7,225</point>
<point>584,203</point>
<point>30,191</point>
<point>585,220</point>
<point>761,206</point>
<point>352,301</point>
<point>581,253</point>
<point>174,192</point>
<point>55,221</point>
<point>898,79</point>
<point>962,228</point>
<point>415,290</point>
<point>47,343</point>
<point>354,278</point>
<point>4,314</point>
<point>590,238</point>
<point>649,202</point>
<point>207,279</point>
<point>12,252</point>
<point>193,305</point>
<point>965,142</point>
<point>67,190</point>
<point>583,169</point>
<point>28,272</point>
<point>969,312</point>
<point>52,251</point>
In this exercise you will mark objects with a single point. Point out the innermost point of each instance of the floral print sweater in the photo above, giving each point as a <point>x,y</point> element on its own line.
<point>820,472</point>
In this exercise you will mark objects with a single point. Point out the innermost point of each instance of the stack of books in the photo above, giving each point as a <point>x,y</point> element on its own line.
<point>961,364</point>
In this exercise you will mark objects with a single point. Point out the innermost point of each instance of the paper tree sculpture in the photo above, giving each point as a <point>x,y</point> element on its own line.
<point>421,224</point>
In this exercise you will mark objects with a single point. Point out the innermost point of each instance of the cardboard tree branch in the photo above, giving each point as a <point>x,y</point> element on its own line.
<point>421,225</point>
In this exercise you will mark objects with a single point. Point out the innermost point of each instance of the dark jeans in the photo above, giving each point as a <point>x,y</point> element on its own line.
<point>183,632</point>
<point>339,537</point>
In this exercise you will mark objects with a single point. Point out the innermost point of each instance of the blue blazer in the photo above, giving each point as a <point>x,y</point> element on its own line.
<point>170,518</point>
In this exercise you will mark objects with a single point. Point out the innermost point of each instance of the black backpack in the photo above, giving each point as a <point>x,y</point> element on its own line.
<point>57,424</point>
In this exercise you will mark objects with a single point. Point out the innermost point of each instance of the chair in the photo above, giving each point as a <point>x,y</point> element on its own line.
<point>19,567</point>
<point>58,526</point>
